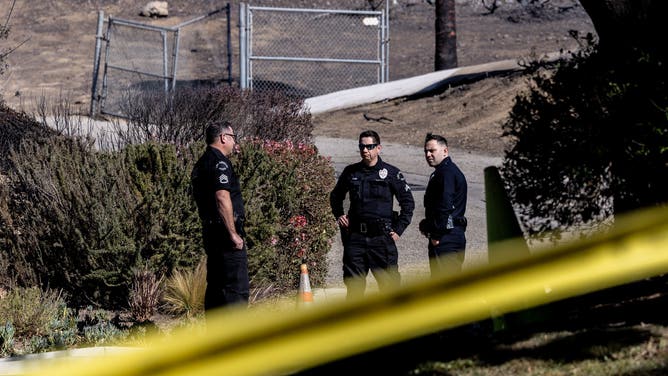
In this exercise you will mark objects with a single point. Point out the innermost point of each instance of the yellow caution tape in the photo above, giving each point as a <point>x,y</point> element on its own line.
<point>254,342</point>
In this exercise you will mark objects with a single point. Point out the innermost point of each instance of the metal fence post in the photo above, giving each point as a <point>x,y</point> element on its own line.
<point>103,94</point>
<point>386,42</point>
<point>96,61</point>
<point>175,56</point>
<point>243,58</point>
<point>229,45</point>
<point>310,52</point>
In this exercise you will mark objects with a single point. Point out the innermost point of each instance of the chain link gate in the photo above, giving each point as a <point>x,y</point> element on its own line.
<point>140,57</point>
<point>310,52</point>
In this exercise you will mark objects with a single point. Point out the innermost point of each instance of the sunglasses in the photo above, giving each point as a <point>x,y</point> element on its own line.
<point>367,146</point>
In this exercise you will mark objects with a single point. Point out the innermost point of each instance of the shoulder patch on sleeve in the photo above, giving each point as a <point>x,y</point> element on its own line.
<point>221,166</point>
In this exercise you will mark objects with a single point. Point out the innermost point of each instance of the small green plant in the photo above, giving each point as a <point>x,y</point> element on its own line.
<point>99,327</point>
<point>184,291</point>
<point>104,333</point>
<point>6,339</point>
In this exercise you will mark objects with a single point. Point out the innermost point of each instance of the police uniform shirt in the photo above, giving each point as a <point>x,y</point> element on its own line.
<point>445,195</point>
<point>371,191</point>
<point>213,172</point>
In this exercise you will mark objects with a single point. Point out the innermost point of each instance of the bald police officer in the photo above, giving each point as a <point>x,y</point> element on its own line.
<point>221,209</point>
<point>370,228</point>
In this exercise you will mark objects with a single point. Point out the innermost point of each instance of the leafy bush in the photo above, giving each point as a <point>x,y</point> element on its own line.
<point>166,227</point>
<point>591,140</point>
<point>286,188</point>
<point>83,219</point>
<point>97,215</point>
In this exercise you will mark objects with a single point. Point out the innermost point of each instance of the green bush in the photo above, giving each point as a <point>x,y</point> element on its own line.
<point>591,140</point>
<point>165,225</point>
<point>97,215</point>
<point>69,209</point>
<point>84,219</point>
<point>286,188</point>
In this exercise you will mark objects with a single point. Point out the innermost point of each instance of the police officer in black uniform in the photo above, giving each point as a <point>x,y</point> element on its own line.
<point>445,205</point>
<point>370,228</point>
<point>221,209</point>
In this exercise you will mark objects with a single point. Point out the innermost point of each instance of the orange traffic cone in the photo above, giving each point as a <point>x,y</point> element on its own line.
<point>305,295</point>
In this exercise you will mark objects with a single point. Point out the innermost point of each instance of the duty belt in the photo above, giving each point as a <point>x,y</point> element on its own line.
<point>371,228</point>
<point>212,221</point>
<point>239,222</point>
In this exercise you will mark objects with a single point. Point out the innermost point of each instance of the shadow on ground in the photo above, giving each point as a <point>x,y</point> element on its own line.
<point>589,327</point>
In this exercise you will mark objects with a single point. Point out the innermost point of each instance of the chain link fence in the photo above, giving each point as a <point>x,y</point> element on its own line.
<point>141,57</point>
<point>310,52</point>
<point>301,52</point>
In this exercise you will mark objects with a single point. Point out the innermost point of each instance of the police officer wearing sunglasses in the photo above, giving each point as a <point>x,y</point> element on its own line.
<point>371,227</point>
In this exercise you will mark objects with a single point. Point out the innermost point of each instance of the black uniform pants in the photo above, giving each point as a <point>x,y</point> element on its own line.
<point>448,255</point>
<point>362,253</point>
<point>226,269</point>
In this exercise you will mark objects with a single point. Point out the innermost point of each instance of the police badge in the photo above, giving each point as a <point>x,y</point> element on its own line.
<point>382,173</point>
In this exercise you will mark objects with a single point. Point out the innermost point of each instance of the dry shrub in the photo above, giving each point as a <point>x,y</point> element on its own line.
<point>144,294</point>
<point>182,118</point>
<point>33,312</point>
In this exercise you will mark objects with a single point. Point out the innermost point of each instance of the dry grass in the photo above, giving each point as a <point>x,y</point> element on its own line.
<point>184,291</point>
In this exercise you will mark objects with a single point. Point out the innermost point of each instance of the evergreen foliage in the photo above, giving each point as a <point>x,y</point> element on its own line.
<point>591,140</point>
<point>82,220</point>
<point>286,188</point>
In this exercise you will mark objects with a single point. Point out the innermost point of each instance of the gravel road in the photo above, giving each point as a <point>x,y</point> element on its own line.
<point>413,261</point>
